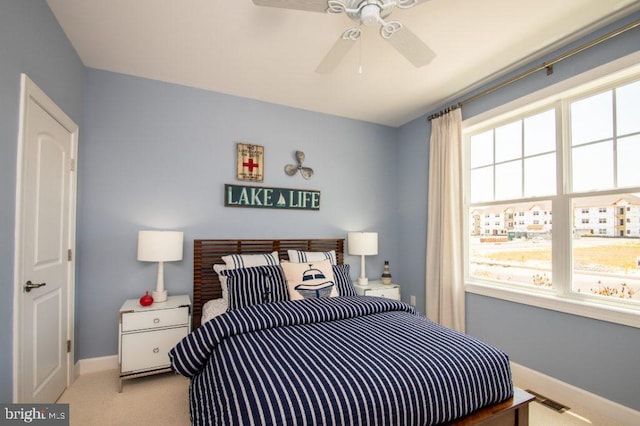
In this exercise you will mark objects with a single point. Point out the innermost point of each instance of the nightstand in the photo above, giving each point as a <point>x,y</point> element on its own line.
<point>377,289</point>
<point>146,334</point>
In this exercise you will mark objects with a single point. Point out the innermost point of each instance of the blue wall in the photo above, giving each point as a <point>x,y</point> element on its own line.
<point>157,155</point>
<point>598,356</point>
<point>413,184</point>
<point>31,42</point>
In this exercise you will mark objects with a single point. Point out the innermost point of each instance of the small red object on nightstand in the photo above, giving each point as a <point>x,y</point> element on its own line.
<point>146,300</point>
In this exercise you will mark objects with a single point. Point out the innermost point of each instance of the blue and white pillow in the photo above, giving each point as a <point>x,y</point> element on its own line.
<point>343,280</point>
<point>299,256</point>
<point>310,280</point>
<point>235,261</point>
<point>254,286</point>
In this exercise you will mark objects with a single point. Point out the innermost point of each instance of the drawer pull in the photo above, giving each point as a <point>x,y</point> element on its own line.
<point>156,320</point>
<point>156,350</point>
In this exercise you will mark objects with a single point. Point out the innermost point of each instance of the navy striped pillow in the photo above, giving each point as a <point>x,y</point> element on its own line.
<point>343,280</point>
<point>256,285</point>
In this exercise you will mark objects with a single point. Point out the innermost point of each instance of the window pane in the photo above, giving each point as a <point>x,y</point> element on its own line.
<point>482,149</point>
<point>628,157</point>
<point>606,247</point>
<point>514,247</point>
<point>482,184</point>
<point>509,141</point>
<point>628,108</point>
<point>540,133</point>
<point>592,119</point>
<point>540,175</point>
<point>592,167</point>
<point>509,180</point>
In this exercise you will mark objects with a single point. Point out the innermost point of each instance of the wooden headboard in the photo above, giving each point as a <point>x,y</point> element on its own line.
<point>206,253</point>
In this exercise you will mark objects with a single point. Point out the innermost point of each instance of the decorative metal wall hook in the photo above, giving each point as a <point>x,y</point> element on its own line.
<point>291,169</point>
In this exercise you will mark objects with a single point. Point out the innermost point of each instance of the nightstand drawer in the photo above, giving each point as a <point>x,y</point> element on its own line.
<point>388,293</point>
<point>145,320</point>
<point>148,350</point>
<point>377,289</point>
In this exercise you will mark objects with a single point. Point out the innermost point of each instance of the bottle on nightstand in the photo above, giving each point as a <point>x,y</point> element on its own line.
<point>386,274</point>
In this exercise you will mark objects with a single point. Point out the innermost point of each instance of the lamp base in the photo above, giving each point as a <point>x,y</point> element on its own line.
<point>159,296</point>
<point>361,281</point>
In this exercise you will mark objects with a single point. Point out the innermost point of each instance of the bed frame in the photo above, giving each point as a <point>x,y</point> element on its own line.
<point>206,286</point>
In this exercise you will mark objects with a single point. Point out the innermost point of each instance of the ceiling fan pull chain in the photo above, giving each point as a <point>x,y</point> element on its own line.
<point>360,65</point>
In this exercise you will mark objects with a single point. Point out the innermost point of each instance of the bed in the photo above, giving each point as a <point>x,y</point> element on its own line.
<point>348,360</point>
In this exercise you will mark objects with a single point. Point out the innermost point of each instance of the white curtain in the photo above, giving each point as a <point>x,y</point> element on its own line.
<point>445,280</point>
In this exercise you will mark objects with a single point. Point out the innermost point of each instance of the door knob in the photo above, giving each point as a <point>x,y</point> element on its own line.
<point>29,285</point>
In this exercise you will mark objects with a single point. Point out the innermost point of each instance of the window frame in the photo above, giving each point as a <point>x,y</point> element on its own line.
<point>558,96</point>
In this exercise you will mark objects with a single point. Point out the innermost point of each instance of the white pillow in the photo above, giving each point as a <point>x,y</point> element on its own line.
<point>299,256</point>
<point>212,309</point>
<point>237,261</point>
<point>223,280</point>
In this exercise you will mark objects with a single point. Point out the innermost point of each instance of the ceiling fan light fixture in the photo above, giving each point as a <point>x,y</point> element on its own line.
<point>370,14</point>
<point>367,12</point>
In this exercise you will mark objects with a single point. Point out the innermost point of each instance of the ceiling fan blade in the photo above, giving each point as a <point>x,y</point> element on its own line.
<point>411,47</point>
<point>339,50</point>
<point>307,5</point>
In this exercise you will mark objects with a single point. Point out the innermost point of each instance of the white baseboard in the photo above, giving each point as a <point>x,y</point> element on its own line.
<point>95,365</point>
<point>572,396</point>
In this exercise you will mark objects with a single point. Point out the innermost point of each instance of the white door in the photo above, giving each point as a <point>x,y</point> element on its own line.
<point>45,219</point>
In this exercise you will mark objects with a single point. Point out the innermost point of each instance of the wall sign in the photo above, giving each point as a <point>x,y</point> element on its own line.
<point>250,162</point>
<point>271,198</point>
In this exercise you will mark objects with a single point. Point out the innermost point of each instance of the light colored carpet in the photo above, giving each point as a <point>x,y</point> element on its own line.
<point>163,400</point>
<point>160,400</point>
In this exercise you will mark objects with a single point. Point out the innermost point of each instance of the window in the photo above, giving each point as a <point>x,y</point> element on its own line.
<point>577,158</point>
<point>521,165</point>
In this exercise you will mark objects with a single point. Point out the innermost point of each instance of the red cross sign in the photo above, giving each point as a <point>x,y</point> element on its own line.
<point>250,162</point>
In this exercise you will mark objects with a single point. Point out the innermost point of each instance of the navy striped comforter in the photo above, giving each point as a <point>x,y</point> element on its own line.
<point>336,361</point>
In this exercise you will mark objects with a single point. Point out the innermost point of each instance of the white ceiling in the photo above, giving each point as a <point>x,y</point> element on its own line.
<point>270,54</point>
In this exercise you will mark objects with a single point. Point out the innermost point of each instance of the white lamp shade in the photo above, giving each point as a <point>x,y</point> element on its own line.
<point>160,246</point>
<point>362,243</point>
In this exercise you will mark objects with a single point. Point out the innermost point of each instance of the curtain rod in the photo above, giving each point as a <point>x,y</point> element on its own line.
<point>545,65</point>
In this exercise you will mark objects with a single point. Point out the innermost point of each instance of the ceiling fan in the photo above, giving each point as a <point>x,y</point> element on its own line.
<point>367,12</point>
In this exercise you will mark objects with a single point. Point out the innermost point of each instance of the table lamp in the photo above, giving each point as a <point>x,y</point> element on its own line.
<point>363,244</point>
<point>160,246</point>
